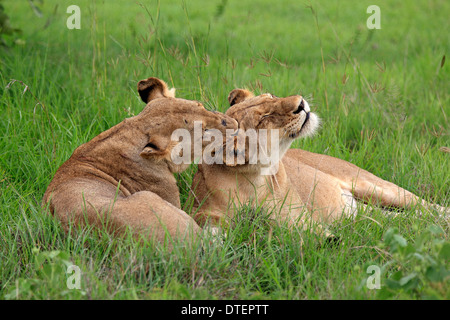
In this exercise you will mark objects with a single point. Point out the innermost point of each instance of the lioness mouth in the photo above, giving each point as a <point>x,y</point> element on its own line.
<point>304,123</point>
<point>306,120</point>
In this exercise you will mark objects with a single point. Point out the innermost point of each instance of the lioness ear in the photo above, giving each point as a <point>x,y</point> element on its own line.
<point>153,88</point>
<point>239,95</point>
<point>157,148</point>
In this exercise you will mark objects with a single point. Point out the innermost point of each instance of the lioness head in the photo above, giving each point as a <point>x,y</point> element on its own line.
<point>146,138</point>
<point>164,114</point>
<point>290,117</point>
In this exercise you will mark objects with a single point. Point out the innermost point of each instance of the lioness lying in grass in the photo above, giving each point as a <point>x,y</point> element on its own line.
<point>305,185</point>
<point>123,178</point>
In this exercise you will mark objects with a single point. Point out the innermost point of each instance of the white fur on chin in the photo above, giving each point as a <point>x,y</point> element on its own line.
<point>311,126</point>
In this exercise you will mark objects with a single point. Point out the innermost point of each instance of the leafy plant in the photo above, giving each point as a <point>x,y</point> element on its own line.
<point>419,269</point>
<point>50,269</point>
<point>10,32</point>
<point>5,26</point>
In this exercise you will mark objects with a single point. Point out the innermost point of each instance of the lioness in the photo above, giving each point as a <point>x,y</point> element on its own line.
<point>124,176</point>
<point>327,187</point>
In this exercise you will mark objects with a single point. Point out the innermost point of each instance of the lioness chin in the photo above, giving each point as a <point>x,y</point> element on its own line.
<point>123,178</point>
<point>306,185</point>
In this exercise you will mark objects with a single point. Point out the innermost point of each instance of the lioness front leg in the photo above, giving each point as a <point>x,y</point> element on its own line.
<point>362,184</point>
<point>369,188</point>
<point>100,204</point>
<point>145,211</point>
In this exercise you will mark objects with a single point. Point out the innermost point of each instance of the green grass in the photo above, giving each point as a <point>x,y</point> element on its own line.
<point>382,96</point>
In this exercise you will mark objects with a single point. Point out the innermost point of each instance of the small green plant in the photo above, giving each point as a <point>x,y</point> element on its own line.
<point>418,269</point>
<point>5,26</point>
<point>49,273</point>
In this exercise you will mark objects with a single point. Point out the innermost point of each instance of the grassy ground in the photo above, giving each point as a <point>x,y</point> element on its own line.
<point>382,95</point>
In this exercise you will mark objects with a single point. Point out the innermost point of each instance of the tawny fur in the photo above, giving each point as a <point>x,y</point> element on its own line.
<point>123,178</point>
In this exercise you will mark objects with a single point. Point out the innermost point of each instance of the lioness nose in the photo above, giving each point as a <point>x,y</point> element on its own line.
<point>302,106</point>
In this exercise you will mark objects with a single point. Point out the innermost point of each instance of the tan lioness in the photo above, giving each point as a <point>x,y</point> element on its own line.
<point>324,186</point>
<point>123,178</point>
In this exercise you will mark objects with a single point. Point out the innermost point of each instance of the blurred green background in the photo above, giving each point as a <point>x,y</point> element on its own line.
<point>382,95</point>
